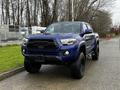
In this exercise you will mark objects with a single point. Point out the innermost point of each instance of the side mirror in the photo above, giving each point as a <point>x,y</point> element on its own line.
<point>88,31</point>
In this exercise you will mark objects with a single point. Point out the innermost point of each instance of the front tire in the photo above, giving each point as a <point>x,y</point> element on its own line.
<point>78,67</point>
<point>31,67</point>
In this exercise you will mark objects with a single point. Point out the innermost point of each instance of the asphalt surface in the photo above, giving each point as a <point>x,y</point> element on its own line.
<point>100,75</point>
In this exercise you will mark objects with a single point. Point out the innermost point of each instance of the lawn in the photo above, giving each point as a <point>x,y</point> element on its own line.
<point>10,58</point>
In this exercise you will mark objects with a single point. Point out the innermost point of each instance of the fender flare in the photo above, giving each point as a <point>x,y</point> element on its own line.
<point>82,43</point>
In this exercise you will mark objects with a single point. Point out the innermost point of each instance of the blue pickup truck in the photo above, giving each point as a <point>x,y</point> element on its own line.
<point>62,43</point>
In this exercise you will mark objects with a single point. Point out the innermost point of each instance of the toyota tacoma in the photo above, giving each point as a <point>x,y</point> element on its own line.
<point>62,43</point>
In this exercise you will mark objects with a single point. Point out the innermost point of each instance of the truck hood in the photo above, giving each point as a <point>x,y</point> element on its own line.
<point>54,36</point>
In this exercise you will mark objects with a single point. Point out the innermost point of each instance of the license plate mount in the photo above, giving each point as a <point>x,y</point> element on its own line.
<point>40,59</point>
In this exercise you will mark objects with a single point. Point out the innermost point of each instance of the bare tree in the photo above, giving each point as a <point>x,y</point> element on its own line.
<point>45,18</point>
<point>102,22</point>
<point>18,18</point>
<point>55,11</point>
<point>3,15</point>
<point>7,13</point>
<point>45,12</point>
<point>35,12</point>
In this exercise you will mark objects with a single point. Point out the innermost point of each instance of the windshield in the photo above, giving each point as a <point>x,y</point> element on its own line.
<point>64,27</point>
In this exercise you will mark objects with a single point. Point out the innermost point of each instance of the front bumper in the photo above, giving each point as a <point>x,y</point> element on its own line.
<point>52,56</point>
<point>45,59</point>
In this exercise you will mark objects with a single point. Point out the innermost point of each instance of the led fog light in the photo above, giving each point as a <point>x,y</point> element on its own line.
<point>23,50</point>
<point>66,53</point>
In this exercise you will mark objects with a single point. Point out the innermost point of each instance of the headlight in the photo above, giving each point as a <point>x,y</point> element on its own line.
<point>69,41</point>
<point>25,41</point>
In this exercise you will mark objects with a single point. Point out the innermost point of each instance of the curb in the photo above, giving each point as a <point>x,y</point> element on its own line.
<point>10,73</point>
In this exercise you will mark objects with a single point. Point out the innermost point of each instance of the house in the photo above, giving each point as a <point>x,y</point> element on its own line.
<point>9,32</point>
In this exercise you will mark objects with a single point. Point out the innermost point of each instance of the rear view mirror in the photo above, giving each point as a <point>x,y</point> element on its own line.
<point>43,31</point>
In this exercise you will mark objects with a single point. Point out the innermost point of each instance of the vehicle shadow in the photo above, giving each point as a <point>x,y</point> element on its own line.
<point>53,72</point>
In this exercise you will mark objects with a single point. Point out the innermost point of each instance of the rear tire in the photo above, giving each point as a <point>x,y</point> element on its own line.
<point>95,55</point>
<point>78,67</point>
<point>31,67</point>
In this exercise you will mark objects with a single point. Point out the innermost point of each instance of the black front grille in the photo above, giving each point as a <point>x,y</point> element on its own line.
<point>41,44</point>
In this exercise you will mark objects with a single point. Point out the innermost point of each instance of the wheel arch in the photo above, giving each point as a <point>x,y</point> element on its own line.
<point>82,48</point>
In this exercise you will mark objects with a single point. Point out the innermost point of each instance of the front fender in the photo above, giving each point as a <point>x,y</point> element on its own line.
<point>82,43</point>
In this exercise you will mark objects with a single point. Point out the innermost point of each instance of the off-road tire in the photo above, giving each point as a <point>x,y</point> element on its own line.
<point>78,67</point>
<point>31,67</point>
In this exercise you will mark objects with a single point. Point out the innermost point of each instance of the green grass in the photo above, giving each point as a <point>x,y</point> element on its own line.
<point>10,58</point>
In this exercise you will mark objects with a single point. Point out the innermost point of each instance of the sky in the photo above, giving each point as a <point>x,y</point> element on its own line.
<point>115,10</point>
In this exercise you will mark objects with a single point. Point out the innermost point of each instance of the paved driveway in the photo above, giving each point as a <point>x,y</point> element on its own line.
<point>101,75</point>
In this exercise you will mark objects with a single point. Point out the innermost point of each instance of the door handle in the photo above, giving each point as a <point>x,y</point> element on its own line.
<point>87,38</point>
